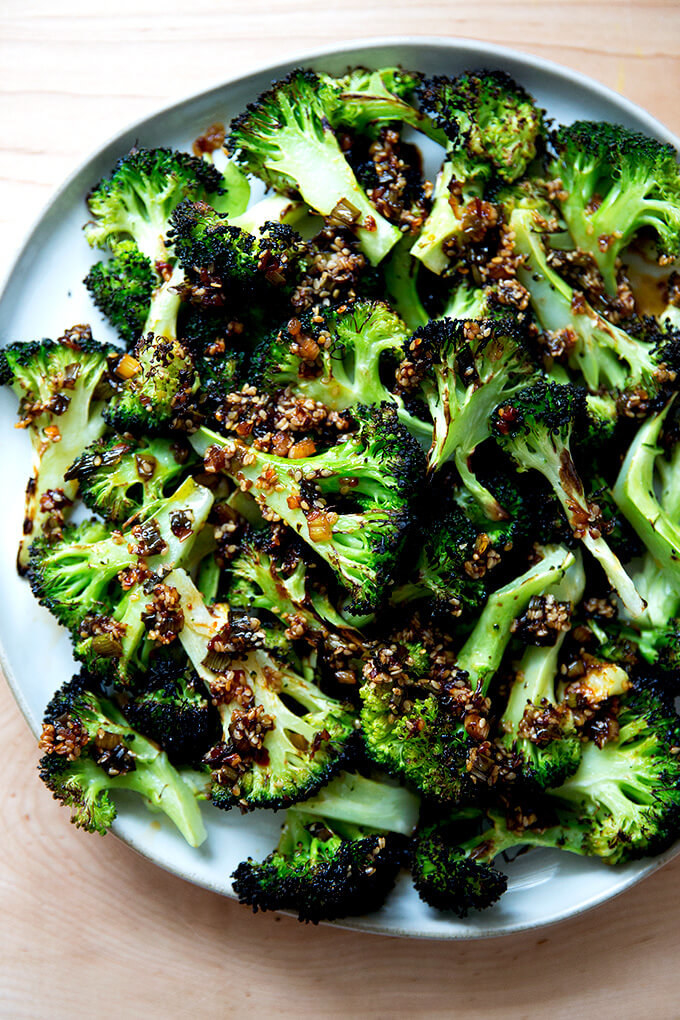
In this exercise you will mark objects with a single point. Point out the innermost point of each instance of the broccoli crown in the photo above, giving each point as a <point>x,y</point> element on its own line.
<point>411,723</point>
<point>451,568</point>
<point>107,589</point>
<point>91,751</point>
<point>544,409</point>
<point>350,503</point>
<point>158,392</point>
<point>423,744</point>
<point>322,870</point>
<point>135,201</point>
<point>333,355</point>
<point>59,385</point>
<point>627,792</point>
<point>487,114</point>
<point>282,737</point>
<point>169,705</point>
<point>118,475</point>
<point>362,100</point>
<point>445,877</point>
<point>462,370</point>
<point>616,182</point>
<point>286,138</point>
<point>122,288</point>
<point>220,255</point>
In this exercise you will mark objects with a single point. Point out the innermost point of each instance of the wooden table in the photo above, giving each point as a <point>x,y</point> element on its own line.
<point>86,926</point>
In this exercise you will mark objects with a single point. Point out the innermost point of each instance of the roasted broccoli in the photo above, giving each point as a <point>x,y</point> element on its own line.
<point>422,717</point>
<point>61,386</point>
<point>615,183</point>
<point>282,737</point>
<point>461,370</point>
<point>370,477</point>
<point>117,475</point>
<point>91,751</point>
<point>494,128</point>
<point>338,854</point>
<point>285,138</point>
<point>535,428</point>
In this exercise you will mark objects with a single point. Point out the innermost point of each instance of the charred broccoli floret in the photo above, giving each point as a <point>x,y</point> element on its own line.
<point>122,289</point>
<point>370,477</point>
<point>60,386</point>
<point>169,704</point>
<point>422,724</point>
<point>107,589</point>
<point>134,204</point>
<point>535,725</point>
<point>338,356</point>
<point>605,354</point>
<point>494,128</point>
<point>535,428</point>
<point>616,182</point>
<point>285,138</point>
<point>338,854</point>
<point>282,738</point>
<point>91,751</point>
<point>461,370</point>
<point>117,475</point>
<point>454,871</point>
<point>160,382</point>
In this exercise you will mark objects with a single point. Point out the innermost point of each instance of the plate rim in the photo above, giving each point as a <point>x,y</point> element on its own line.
<point>297,58</point>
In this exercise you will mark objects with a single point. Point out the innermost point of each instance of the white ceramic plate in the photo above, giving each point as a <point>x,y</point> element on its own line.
<point>44,294</point>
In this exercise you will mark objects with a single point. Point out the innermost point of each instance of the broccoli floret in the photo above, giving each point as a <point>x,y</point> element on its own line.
<point>535,726</point>
<point>122,289</point>
<point>117,475</point>
<point>535,428</point>
<point>337,356</point>
<point>489,116</point>
<point>259,582</point>
<point>135,204</point>
<point>451,569</point>
<point>137,199</point>
<point>219,256</point>
<point>282,738</point>
<point>603,353</point>
<point>454,871</point>
<point>160,382</point>
<point>423,725</point>
<point>627,793</point>
<point>104,588</point>
<point>285,138</point>
<point>92,751</point>
<point>363,100</point>
<point>615,182</point>
<point>60,385</point>
<point>338,854</point>
<point>371,477</point>
<point>461,370</point>
<point>169,705</point>
<point>494,128</point>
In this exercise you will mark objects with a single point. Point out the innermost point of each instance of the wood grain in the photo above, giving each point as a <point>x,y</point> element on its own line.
<point>87,926</point>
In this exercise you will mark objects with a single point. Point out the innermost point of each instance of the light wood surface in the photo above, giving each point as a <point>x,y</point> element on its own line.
<point>86,926</point>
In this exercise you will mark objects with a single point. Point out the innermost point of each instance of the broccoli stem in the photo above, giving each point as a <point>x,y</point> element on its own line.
<point>401,284</point>
<point>549,455</point>
<point>538,667</point>
<point>369,803</point>
<point>603,353</point>
<point>481,654</point>
<point>444,225</point>
<point>635,495</point>
<point>164,308</point>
